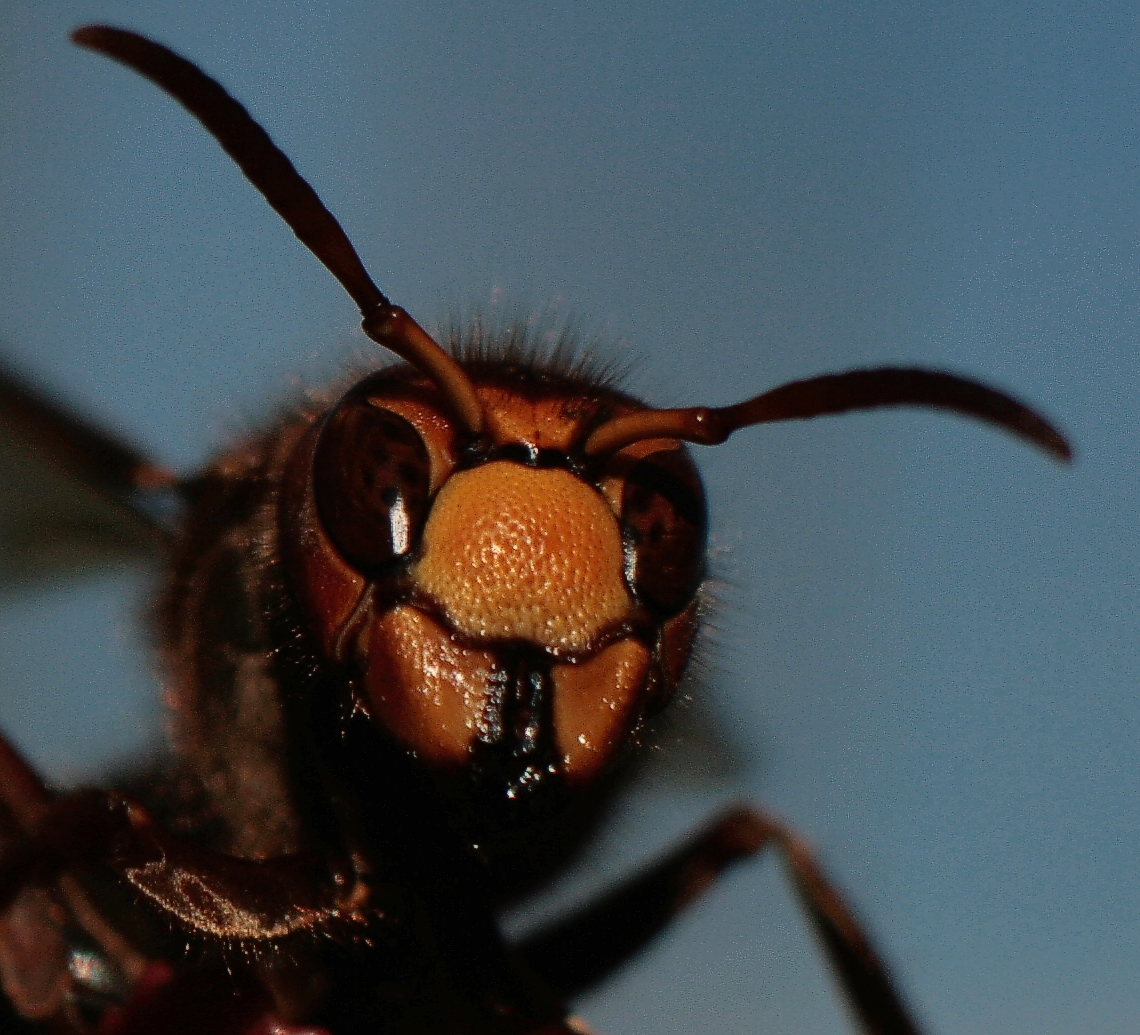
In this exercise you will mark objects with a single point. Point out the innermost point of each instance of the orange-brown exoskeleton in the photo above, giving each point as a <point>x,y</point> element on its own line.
<point>408,637</point>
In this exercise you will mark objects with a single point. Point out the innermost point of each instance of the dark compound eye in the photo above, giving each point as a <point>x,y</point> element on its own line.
<point>371,475</point>
<point>664,524</point>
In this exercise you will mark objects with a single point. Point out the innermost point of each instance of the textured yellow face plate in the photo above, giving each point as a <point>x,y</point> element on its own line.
<point>518,553</point>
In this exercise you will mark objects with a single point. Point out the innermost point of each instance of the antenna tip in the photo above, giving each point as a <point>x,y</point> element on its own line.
<point>1049,439</point>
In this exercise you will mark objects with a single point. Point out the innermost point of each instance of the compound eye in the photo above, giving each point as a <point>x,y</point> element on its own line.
<point>371,476</point>
<point>664,525</point>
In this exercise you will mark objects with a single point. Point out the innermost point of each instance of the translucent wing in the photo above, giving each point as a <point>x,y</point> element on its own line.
<point>73,499</point>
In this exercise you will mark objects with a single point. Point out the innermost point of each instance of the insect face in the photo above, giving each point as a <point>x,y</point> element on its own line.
<point>510,607</point>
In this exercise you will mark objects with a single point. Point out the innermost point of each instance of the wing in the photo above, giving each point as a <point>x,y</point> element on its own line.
<point>72,498</point>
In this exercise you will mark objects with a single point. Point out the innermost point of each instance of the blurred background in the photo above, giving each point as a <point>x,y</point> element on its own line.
<point>923,646</point>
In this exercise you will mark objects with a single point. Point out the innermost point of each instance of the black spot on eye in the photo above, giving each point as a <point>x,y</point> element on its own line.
<point>369,465</point>
<point>665,526</point>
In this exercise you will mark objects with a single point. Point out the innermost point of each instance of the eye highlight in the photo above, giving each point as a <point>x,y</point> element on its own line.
<point>664,525</point>
<point>371,477</point>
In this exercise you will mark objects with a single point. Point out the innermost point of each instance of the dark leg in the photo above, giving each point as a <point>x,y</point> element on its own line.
<point>207,893</point>
<point>581,950</point>
<point>160,999</point>
<point>22,793</point>
<point>860,969</point>
<point>41,927</point>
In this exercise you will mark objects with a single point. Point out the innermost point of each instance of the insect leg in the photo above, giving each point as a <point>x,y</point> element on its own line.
<point>582,949</point>
<point>22,792</point>
<point>46,931</point>
<point>861,971</point>
<point>205,892</point>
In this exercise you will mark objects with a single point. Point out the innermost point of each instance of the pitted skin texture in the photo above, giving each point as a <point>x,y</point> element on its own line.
<point>426,689</point>
<point>518,553</point>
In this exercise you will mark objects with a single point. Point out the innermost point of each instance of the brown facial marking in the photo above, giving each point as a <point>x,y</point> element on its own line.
<point>544,423</point>
<point>595,705</point>
<point>665,524</point>
<point>428,691</point>
<point>371,475</point>
<point>673,650</point>
<point>612,484</point>
<point>515,553</point>
<point>436,431</point>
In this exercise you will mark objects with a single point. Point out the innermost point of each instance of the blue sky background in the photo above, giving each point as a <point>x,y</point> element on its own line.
<point>925,642</point>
